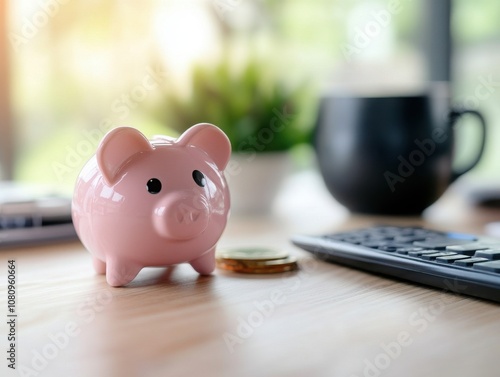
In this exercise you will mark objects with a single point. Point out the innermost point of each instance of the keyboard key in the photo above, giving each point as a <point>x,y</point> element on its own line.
<point>399,244</point>
<point>388,229</point>
<point>461,236</point>
<point>451,258</point>
<point>421,252</point>
<point>391,246</point>
<point>467,249</point>
<point>409,239</point>
<point>428,233</point>
<point>492,266</point>
<point>489,254</point>
<point>469,262</point>
<point>353,240</point>
<point>407,231</point>
<point>406,250</point>
<point>440,243</point>
<point>435,255</point>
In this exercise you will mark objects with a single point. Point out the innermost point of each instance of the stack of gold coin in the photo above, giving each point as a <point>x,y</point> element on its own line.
<point>255,260</point>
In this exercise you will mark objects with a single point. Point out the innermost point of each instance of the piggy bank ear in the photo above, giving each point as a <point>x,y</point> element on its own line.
<point>117,147</point>
<point>210,139</point>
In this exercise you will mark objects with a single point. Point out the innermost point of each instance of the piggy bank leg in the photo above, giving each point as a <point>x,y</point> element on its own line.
<point>121,273</point>
<point>205,264</point>
<point>99,265</point>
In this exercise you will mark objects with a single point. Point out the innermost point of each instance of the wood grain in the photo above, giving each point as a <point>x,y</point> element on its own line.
<point>323,320</point>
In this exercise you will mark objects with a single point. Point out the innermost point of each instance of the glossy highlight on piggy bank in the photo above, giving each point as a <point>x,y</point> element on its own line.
<point>153,203</point>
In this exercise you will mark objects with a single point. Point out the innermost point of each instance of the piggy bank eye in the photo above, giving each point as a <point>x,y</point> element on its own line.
<point>199,178</point>
<point>154,186</point>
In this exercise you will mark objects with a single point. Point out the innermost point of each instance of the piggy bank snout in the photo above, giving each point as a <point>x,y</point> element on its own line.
<point>181,215</point>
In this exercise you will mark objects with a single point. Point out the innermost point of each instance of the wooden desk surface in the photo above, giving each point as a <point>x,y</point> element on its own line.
<point>323,320</point>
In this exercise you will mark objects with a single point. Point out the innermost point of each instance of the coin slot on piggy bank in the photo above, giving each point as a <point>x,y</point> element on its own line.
<point>153,203</point>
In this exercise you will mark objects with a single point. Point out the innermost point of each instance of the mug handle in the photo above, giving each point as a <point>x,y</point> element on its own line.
<point>456,114</point>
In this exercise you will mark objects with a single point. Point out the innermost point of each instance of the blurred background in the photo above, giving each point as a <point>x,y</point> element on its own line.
<point>71,70</point>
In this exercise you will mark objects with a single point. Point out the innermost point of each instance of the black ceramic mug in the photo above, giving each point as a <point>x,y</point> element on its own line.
<point>389,155</point>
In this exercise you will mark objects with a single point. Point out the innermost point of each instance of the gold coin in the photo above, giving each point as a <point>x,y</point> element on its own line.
<point>251,253</point>
<point>259,267</point>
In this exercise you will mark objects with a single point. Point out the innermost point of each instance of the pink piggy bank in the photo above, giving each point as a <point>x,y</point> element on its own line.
<point>140,203</point>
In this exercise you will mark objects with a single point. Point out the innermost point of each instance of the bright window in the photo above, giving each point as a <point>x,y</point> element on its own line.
<point>79,68</point>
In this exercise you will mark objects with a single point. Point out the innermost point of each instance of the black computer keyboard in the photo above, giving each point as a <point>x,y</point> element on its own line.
<point>454,262</point>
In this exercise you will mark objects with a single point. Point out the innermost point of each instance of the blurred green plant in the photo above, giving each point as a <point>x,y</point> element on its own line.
<point>246,100</point>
